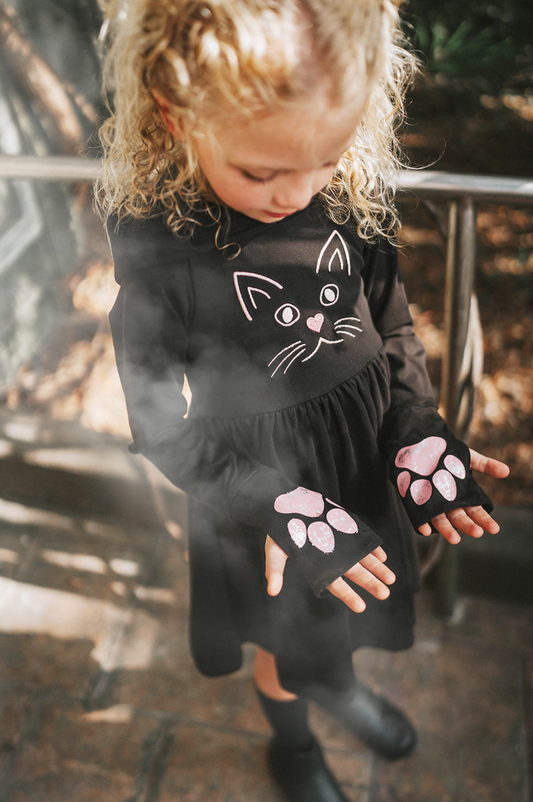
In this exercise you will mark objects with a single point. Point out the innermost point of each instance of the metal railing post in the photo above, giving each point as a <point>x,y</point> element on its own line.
<point>460,267</point>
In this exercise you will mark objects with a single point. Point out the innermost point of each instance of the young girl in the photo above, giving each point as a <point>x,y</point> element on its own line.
<point>250,162</point>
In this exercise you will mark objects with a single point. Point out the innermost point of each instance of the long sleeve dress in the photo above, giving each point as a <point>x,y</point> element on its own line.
<point>312,419</point>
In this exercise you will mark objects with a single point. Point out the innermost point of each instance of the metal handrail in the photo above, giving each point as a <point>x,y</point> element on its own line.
<point>49,168</point>
<point>427,184</point>
<point>436,185</point>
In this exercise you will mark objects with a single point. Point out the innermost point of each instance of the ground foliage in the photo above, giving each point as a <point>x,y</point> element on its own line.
<point>471,107</point>
<point>475,46</point>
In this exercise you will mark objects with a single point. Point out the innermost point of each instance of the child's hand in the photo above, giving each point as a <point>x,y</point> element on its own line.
<point>472,521</point>
<point>369,573</point>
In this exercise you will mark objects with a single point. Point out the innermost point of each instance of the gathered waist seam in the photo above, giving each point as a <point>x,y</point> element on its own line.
<point>379,358</point>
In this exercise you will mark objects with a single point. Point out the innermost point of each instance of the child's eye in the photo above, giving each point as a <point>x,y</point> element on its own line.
<point>258,179</point>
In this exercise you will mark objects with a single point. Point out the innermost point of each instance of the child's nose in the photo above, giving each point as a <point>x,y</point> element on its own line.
<point>296,191</point>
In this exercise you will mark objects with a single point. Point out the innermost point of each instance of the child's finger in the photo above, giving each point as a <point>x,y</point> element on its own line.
<point>376,567</point>
<point>473,521</point>
<point>487,465</point>
<point>346,594</point>
<point>462,522</point>
<point>275,559</point>
<point>365,579</point>
<point>483,519</point>
<point>380,554</point>
<point>443,525</point>
<point>425,530</point>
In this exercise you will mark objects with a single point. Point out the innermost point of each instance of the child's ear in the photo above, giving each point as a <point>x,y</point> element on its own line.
<point>170,121</point>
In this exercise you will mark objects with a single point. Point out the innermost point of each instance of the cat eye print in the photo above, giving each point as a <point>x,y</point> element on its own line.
<point>329,295</point>
<point>287,314</point>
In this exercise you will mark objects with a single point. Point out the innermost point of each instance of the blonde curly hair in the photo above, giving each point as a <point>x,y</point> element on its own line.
<point>251,57</point>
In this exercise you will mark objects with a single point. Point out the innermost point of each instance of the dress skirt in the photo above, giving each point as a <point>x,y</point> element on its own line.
<point>329,444</point>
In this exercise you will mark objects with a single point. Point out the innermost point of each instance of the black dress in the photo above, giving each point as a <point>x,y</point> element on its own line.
<point>312,419</point>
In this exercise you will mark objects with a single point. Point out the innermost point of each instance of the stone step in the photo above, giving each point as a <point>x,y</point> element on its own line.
<point>500,566</point>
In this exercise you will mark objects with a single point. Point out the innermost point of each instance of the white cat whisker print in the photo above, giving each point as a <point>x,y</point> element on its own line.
<point>342,326</point>
<point>312,316</point>
<point>297,348</point>
<point>320,342</point>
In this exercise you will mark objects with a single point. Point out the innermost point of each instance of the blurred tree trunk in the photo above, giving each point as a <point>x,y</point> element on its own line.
<point>57,101</point>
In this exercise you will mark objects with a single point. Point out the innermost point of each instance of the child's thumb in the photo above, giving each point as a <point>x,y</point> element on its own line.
<point>275,559</point>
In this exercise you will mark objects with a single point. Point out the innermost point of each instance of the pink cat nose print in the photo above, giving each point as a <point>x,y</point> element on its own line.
<point>315,323</point>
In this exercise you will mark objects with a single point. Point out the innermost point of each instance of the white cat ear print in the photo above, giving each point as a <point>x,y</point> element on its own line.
<point>248,286</point>
<point>334,255</point>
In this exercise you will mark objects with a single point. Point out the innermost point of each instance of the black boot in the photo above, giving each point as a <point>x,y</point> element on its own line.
<point>303,775</point>
<point>294,757</point>
<point>373,719</point>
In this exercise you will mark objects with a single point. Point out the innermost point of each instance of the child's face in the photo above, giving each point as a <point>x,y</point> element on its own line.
<point>271,167</point>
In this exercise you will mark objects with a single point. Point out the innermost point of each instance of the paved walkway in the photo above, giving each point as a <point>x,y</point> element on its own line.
<point>99,699</point>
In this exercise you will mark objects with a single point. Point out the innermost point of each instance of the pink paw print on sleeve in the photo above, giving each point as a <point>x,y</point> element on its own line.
<point>311,504</point>
<point>423,459</point>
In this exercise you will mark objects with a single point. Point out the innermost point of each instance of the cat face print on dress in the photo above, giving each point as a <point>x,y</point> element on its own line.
<point>423,458</point>
<point>307,330</point>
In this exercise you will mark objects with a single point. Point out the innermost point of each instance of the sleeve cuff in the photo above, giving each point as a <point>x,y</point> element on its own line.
<point>322,538</point>
<point>432,473</point>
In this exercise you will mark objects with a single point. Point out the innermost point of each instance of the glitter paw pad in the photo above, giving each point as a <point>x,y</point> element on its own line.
<point>423,458</point>
<point>311,504</point>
